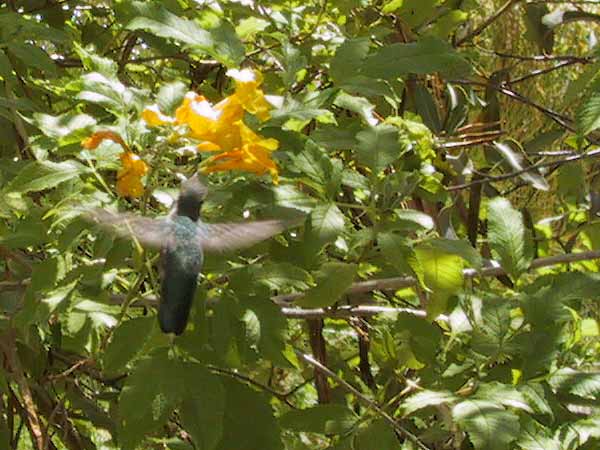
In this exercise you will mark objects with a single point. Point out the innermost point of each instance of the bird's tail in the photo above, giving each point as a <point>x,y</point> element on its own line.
<point>178,292</point>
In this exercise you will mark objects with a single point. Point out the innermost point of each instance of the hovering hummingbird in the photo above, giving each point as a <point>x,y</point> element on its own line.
<point>182,239</point>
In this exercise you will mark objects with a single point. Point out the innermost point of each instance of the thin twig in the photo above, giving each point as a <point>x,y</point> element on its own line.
<point>537,73</point>
<point>247,379</point>
<point>486,23</point>
<point>364,399</point>
<point>516,173</point>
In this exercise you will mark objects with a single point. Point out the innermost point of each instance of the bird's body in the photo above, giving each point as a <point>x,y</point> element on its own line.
<point>182,239</point>
<point>181,261</point>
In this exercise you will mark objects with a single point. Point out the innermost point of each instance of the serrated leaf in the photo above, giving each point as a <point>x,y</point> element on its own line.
<point>251,25</point>
<point>504,394</point>
<point>583,384</point>
<point>242,403</point>
<point>33,56</point>
<point>66,128</point>
<point>508,236</point>
<point>324,419</point>
<point>426,398</point>
<point>326,222</point>
<point>442,274</point>
<point>489,426</point>
<point>326,292</point>
<point>282,276</point>
<point>588,115</point>
<point>272,329</point>
<point>535,436</point>
<point>428,55</point>
<point>203,406</point>
<point>358,105</point>
<point>127,341</point>
<point>220,42</point>
<point>348,58</point>
<point>149,396</point>
<point>378,434</point>
<point>459,247</point>
<point>170,95</point>
<point>41,175</point>
<point>105,91</point>
<point>518,163</point>
<point>378,147</point>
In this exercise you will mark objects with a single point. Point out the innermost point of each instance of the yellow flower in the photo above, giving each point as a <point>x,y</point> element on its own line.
<point>96,139</point>
<point>153,117</point>
<point>254,155</point>
<point>247,91</point>
<point>129,182</point>
<point>212,125</point>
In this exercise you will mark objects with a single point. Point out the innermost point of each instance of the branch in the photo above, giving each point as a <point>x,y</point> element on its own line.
<point>537,73</point>
<point>382,284</point>
<point>9,348</point>
<point>490,178</point>
<point>486,23</point>
<point>364,399</point>
<point>563,121</point>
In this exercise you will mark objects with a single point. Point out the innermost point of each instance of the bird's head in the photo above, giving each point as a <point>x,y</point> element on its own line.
<point>190,198</point>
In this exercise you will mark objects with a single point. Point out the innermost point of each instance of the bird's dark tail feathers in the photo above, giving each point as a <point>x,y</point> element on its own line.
<point>178,290</point>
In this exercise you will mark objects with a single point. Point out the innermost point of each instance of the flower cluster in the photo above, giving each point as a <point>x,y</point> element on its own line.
<point>129,183</point>
<point>220,128</point>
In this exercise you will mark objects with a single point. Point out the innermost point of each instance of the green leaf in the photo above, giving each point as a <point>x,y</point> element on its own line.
<point>442,273</point>
<point>378,147</point>
<point>489,426</point>
<point>535,436</point>
<point>41,175</point>
<point>20,27</point>
<point>398,251</point>
<point>282,276</point>
<point>250,26</point>
<point>358,105</point>
<point>66,128</point>
<point>391,6</point>
<point>583,384</point>
<point>508,236</point>
<point>588,115</point>
<point>248,423</point>
<point>347,60</point>
<point>428,55</point>
<point>326,222</point>
<point>203,407</point>
<point>518,163</point>
<point>33,56</point>
<point>127,341</point>
<point>221,42</point>
<point>106,91</point>
<point>324,419</point>
<point>504,394</point>
<point>272,331</point>
<point>149,396</point>
<point>378,434</point>
<point>426,398</point>
<point>491,330</point>
<point>326,292</point>
<point>170,96</point>
<point>459,247</point>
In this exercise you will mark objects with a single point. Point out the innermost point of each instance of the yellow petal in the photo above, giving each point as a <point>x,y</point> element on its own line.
<point>96,139</point>
<point>153,117</point>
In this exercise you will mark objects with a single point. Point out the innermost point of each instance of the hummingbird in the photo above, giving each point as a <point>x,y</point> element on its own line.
<point>183,238</point>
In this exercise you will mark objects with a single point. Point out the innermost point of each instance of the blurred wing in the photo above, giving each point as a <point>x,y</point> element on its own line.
<point>226,237</point>
<point>152,233</point>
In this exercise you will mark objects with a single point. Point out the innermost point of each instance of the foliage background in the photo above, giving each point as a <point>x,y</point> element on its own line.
<point>407,130</point>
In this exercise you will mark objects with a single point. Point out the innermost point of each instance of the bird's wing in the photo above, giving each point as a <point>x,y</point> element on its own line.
<point>225,237</point>
<point>152,233</point>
